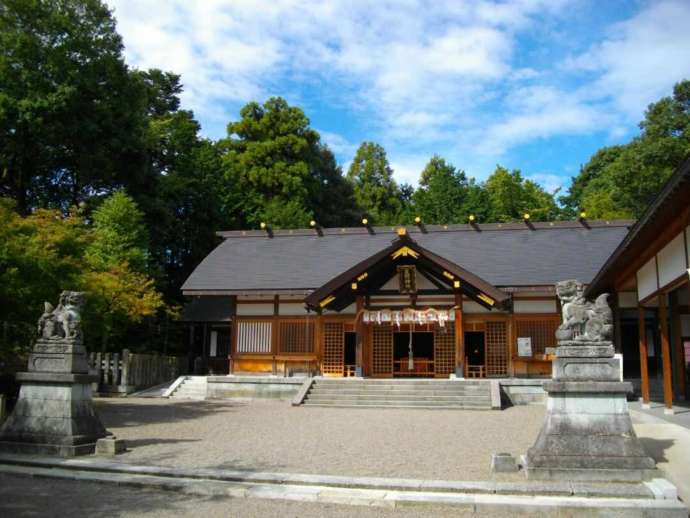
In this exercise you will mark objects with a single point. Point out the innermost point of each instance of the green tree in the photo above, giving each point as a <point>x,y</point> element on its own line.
<point>40,255</point>
<point>510,196</point>
<point>621,181</point>
<point>183,205</point>
<point>593,171</point>
<point>277,170</point>
<point>376,191</point>
<point>119,235</point>
<point>120,291</point>
<point>442,194</point>
<point>70,113</point>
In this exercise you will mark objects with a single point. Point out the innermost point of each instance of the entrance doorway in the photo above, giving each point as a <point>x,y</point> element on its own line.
<point>475,354</point>
<point>422,364</point>
<point>350,354</point>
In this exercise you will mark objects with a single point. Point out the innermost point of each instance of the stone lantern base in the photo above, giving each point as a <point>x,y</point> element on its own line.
<point>587,433</point>
<point>54,414</point>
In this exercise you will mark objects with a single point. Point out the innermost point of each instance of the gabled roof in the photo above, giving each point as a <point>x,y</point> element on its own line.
<point>673,198</point>
<point>299,261</point>
<point>374,271</point>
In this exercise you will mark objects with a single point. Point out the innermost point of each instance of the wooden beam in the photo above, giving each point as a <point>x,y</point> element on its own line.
<point>459,338</point>
<point>360,329</point>
<point>678,352</point>
<point>665,353</point>
<point>644,369</point>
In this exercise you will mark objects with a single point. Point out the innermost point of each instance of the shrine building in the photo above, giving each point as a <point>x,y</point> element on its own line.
<point>472,300</point>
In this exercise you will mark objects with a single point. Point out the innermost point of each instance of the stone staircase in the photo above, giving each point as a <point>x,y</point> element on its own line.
<point>193,387</point>
<point>400,393</point>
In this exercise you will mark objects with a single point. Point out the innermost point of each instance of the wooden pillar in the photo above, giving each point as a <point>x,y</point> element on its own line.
<point>644,369</point>
<point>318,339</point>
<point>665,355</point>
<point>275,334</point>
<point>360,330</point>
<point>232,350</point>
<point>459,338</point>
<point>678,352</point>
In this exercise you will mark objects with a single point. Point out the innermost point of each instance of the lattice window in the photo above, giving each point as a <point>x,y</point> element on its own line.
<point>333,349</point>
<point>444,350</point>
<point>542,333</point>
<point>382,349</point>
<point>496,349</point>
<point>296,337</point>
<point>254,337</point>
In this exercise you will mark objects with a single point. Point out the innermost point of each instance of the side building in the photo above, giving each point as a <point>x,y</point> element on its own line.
<point>418,301</point>
<point>650,273</point>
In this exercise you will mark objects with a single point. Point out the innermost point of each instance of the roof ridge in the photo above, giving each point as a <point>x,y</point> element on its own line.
<point>415,229</point>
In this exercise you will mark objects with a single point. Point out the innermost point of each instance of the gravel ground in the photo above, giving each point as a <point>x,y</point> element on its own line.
<point>22,497</point>
<point>273,436</point>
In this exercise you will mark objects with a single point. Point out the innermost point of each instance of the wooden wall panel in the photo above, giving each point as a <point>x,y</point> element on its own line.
<point>382,350</point>
<point>496,348</point>
<point>333,349</point>
<point>444,350</point>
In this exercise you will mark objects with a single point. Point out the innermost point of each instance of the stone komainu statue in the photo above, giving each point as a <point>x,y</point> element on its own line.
<point>583,321</point>
<point>64,321</point>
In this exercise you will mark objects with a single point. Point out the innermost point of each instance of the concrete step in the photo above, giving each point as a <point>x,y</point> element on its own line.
<point>396,405</point>
<point>365,397</point>
<point>399,391</point>
<point>408,401</point>
<point>400,381</point>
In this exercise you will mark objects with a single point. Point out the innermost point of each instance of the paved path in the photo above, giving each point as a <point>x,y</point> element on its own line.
<point>22,497</point>
<point>669,445</point>
<point>273,436</point>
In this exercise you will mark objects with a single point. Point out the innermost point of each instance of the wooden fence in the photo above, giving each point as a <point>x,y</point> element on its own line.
<point>127,372</point>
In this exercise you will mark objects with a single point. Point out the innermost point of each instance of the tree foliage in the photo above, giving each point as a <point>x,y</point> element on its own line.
<point>510,196</point>
<point>620,181</point>
<point>276,166</point>
<point>376,191</point>
<point>70,122</point>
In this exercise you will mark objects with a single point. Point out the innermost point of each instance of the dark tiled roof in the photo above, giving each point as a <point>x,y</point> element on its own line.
<point>504,255</point>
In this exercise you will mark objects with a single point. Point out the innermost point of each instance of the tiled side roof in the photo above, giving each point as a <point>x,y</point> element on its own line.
<point>504,255</point>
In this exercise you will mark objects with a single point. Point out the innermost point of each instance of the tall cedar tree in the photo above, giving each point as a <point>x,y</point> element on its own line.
<point>278,171</point>
<point>376,191</point>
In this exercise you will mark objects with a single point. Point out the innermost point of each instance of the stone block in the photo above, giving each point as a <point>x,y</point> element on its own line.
<point>662,489</point>
<point>577,350</point>
<point>110,446</point>
<point>586,369</point>
<point>503,463</point>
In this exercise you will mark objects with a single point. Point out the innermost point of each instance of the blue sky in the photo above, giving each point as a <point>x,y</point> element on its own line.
<point>537,85</point>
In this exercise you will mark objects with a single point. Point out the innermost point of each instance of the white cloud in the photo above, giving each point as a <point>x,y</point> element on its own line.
<point>641,58</point>
<point>445,76</point>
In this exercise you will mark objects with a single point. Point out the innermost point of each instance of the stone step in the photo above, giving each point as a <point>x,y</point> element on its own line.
<point>400,391</point>
<point>374,404</point>
<point>483,401</point>
<point>382,397</point>
<point>400,381</point>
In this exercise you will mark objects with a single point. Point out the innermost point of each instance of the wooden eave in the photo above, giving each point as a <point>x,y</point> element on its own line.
<point>380,267</point>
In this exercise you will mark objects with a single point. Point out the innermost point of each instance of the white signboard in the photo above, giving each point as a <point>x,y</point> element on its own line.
<point>524,344</point>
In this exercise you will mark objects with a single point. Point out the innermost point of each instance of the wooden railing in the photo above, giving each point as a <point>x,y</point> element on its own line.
<point>350,371</point>
<point>421,367</point>
<point>475,371</point>
<point>127,372</point>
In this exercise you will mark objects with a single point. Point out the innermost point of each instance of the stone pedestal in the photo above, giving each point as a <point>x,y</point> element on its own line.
<point>54,414</point>
<point>587,433</point>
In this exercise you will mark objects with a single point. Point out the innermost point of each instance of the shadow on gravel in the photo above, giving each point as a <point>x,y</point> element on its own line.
<point>118,414</point>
